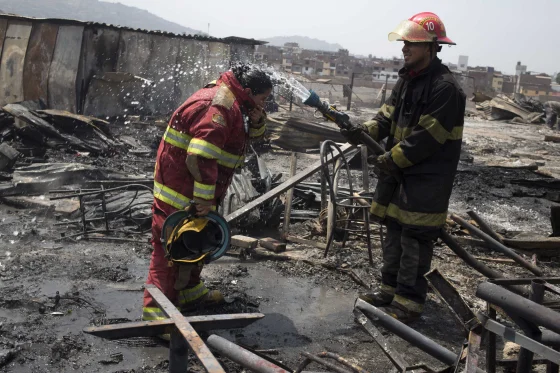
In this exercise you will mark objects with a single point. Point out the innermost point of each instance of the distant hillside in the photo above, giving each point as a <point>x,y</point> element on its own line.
<point>304,42</point>
<point>94,11</point>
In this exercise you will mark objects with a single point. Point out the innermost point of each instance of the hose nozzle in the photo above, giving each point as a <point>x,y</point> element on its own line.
<point>328,111</point>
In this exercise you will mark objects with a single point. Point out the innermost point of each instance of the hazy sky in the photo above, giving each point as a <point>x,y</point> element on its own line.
<point>492,32</point>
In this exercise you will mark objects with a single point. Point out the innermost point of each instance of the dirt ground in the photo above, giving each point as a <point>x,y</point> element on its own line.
<point>307,308</point>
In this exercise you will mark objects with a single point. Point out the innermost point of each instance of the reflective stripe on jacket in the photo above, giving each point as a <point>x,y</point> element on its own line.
<point>423,124</point>
<point>211,126</point>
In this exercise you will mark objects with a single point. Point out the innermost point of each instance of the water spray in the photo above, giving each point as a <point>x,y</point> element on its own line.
<point>342,120</point>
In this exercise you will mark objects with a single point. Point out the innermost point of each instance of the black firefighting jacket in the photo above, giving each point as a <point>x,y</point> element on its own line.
<point>423,124</point>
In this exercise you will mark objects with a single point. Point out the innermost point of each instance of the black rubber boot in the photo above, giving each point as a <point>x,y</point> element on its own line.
<point>400,313</point>
<point>377,298</point>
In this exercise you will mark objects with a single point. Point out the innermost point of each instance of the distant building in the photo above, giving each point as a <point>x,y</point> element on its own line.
<point>268,55</point>
<point>463,64</point>
<point>508,86</point>
<point>519,70</point>
<point>498,82</point>
<point>483,78</point>
<point>535,85</point>
<point>387,70</point>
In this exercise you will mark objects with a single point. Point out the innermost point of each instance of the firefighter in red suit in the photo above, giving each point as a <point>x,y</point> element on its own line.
<point>203,145</point>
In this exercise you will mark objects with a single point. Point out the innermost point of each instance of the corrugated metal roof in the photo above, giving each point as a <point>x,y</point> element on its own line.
<point>62,21</point>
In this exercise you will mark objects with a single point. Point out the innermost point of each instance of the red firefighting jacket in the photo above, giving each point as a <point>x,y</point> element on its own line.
<point>211,125</point>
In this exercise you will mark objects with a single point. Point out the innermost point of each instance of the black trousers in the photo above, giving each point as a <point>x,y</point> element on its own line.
<point>407,257</point>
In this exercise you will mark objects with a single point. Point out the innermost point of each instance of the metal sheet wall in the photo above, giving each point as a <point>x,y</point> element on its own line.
<point>163,71</point>
<point>100,50</point>
<point>62,92</point>
<point>218,59</point>
<point>13,58</point>
<point>38,59</point>
<point>57,62</point>
<point>192,74</point>
<point>3,29</point>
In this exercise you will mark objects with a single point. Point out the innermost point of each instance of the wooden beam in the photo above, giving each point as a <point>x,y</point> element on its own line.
<point>190,335</point>
<point>298,178</point>
<point>273,245</point>
<point>289,196</point>
<point>552,138</point>
<point>244,242</point>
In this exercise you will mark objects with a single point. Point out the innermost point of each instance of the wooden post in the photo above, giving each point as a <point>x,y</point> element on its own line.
<point>350,93</point>
<point>324,202</point>
<point>289,196</point>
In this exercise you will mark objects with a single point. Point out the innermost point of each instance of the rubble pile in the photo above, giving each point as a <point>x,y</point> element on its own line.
<point>76,190</point>
<point>519,109</point>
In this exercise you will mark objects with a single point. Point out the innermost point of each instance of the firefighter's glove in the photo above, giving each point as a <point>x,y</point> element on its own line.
<point>384,165</point>
<point>202,207</point>
<point>354,133</point>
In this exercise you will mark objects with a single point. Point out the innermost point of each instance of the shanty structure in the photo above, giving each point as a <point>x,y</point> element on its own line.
<point>106,70</point>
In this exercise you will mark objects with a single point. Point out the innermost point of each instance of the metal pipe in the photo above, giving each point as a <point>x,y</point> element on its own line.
<point>395,357</point>
<point>484,226</point>
<point>408,334</point>
<point>491,346</point>
<point>519,306</point>
<point>525,359</point>
<point>467,257</point>
<point>549,338</point>
<point>475,264</point>
<point>524,281</point>
<point>496,245</point>
<point>241,356</point>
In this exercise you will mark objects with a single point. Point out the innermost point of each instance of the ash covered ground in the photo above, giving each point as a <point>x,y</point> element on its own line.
<point>308,307</point>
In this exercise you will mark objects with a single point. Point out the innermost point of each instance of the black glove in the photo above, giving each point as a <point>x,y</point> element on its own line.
<point>384,163</point>
<point>353,133</point>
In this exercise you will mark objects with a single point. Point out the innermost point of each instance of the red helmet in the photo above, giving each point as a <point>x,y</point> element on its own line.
<point>423,27</point>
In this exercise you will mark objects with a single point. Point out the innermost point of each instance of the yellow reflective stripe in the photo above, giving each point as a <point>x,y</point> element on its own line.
<point>387,110</point>
<point>169,196</point>
<point>423,219</point>
<point>152,313</point>
<point>457,133</point>
<point>192,294</point>
<point>434,127</point>
<point>388,289</point>
<point>373,129</point>
<point>408,304</point>
<point>399,158</point>
<point>204,149</point>
<point>401,133</point>
<point>257,132</point>
<point>204,191</point>
<point>211,151</point>
<point>176,138</point>
<point>378,209</point>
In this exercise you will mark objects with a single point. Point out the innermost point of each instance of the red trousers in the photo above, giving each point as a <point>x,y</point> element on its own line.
<point>164,277</point>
